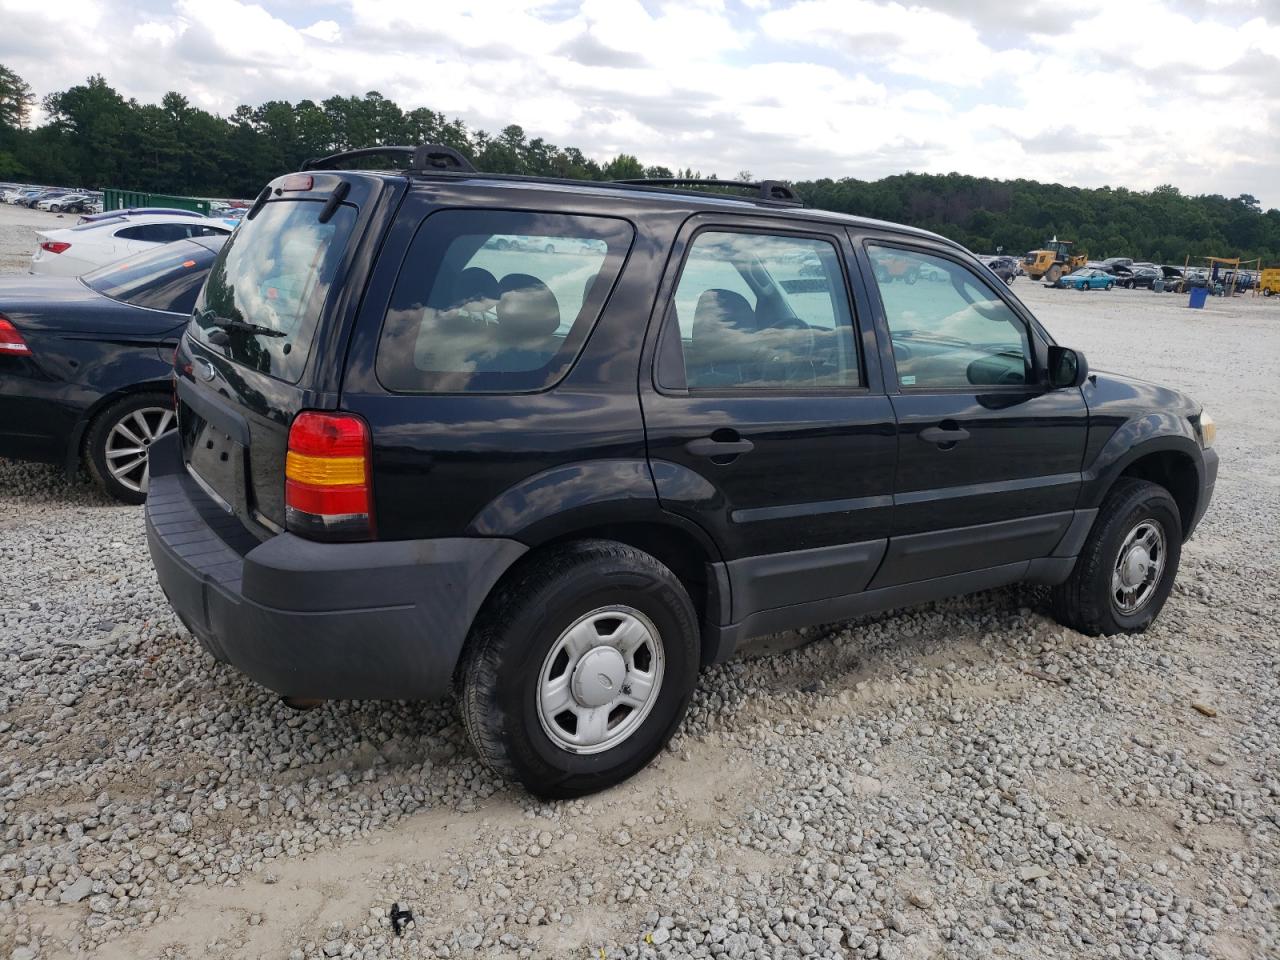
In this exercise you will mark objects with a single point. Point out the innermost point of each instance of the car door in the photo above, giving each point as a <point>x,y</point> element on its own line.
<point>989,456</point>
<point>764,424</point>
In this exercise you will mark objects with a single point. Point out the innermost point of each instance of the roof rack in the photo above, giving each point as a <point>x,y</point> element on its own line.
<point>769,191</point>
<point>424,157</point>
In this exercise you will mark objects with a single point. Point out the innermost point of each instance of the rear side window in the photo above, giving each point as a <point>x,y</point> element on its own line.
<point>165,278</point>
<point>270,283</point>
<point>497,301</point>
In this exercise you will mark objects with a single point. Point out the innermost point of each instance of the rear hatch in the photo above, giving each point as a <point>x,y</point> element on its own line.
<point>269,333</point>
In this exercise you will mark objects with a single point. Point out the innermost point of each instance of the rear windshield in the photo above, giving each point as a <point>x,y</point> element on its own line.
<point>166,278</point>
<point>497,301</point>
<point>270,283</point>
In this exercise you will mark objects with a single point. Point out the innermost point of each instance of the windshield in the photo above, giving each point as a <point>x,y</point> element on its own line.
<point>270,283</point>
<point>164,278</point>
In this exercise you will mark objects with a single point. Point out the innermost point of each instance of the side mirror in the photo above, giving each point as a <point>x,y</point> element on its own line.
<point>1067,368</point>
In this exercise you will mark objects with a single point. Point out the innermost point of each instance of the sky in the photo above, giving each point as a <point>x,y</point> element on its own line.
<point>1132,93</point>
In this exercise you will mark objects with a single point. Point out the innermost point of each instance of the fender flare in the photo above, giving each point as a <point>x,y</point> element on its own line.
<point>577,496</point>
<point>1139,437</point>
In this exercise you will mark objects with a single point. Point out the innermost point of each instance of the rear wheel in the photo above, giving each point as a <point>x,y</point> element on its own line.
<point>119,441</point>
<point>1126,570</point>
<point>579,668</point>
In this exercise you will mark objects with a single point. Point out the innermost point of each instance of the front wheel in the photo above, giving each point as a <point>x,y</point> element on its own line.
<point>1126,570</point>
<point>118,444</point>
<point>579,668</point>
<point>1110,285</point>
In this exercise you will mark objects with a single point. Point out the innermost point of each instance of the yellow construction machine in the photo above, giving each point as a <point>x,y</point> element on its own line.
<point>1052,261</point>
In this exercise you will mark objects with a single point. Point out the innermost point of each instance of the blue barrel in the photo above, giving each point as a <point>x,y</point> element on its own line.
<point>1198,296</point>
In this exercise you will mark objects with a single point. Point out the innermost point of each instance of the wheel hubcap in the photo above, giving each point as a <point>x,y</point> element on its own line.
<point>600,680</point>
<point>1138,568</point>
<point>129,443</point>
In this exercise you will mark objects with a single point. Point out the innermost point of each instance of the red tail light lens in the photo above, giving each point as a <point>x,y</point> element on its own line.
<point>11,342</point>
<point>328,492</point>
<point>55,246</point>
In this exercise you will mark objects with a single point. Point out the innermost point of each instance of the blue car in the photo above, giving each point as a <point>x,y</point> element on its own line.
<point>1088,278</point>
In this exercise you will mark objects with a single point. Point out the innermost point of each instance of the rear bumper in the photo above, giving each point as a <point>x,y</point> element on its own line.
<point>383,620</point>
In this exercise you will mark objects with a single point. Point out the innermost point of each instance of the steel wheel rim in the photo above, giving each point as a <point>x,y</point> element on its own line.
<point>600,680</point>
<point>1138,568</point>
<point>129,445</point>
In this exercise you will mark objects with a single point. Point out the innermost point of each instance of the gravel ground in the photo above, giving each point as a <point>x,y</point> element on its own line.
<point>962,780</point>
<point>18,227</point>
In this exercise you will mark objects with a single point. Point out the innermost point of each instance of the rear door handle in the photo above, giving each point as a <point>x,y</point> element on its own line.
<point>709,447</point>
<point>940,435</point>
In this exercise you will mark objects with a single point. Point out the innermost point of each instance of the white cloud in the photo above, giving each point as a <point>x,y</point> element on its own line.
<point>1130,94</point>
<point>326,30</point>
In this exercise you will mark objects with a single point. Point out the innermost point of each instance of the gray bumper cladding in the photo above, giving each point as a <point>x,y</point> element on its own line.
<point>381,620</point>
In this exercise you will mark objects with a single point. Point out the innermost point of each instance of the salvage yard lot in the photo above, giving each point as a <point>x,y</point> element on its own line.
<point>963,780</point>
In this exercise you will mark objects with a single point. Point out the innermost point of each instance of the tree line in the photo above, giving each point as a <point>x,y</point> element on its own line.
<point>92,136</point>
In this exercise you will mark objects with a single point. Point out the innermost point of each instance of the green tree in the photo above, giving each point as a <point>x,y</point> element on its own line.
<point>16,99</point>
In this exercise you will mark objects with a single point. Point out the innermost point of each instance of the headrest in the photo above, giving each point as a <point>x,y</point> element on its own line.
<point>527,307</point>
<point>724,324</point>
<point>473,284</point>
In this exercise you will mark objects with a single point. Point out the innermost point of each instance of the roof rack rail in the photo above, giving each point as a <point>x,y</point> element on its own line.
<point>424,157</point>
<point>769,191</point>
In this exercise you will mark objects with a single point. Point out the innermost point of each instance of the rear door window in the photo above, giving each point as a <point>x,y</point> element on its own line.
<point>270,283</point>
<point>756,311</point>
<point>497,301</point>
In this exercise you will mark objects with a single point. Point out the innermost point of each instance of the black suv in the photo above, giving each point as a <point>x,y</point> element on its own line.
<point>557,445</point>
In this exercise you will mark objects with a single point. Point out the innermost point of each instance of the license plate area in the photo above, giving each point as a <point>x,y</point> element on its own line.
<point>217,463</point>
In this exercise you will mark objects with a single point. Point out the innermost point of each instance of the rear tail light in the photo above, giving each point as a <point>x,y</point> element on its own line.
<point>328,491</point>
<point>11,342</point>
<point>55,246</point>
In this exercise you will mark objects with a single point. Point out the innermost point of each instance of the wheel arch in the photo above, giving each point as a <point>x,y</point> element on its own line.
<point>1174,470</point>
<point>1172,461</point>
<point>75,445</point>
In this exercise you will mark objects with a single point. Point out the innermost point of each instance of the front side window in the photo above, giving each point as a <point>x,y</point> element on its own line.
<point>949,328</point>
<point>758,311</point>
<point>164,278</point>
<point>494,301</point>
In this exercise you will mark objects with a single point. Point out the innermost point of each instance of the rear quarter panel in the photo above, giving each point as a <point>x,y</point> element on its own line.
<point>468,464</point>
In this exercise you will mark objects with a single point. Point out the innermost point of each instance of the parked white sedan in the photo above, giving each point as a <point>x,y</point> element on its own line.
<point>76,250</point>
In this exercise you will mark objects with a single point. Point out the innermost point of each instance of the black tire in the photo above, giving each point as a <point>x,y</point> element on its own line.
<point>1085,602</point>
<point>1110,284</point>
<point>98,435</point>
<point>519,627</point>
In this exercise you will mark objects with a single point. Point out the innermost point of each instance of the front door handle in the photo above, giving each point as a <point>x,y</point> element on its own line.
<point>713,448</point>
<point>943,437</point>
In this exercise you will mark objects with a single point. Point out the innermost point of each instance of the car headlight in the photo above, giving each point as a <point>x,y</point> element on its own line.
<point>1208,430</point>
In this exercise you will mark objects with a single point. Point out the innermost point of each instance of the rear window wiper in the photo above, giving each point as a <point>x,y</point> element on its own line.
<point>234,323</point>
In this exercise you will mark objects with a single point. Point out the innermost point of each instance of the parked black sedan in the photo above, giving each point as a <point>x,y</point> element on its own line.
<point>86,362</point>
<point>1141,275</point>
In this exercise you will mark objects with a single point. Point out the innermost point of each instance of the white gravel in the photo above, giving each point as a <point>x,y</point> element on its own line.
<point>963,780</point>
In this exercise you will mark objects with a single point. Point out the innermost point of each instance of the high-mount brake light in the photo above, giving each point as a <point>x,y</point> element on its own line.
<point>11,342</point>
<point>55,246</point>
<point>297,181</point>
<point>328,477</point>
